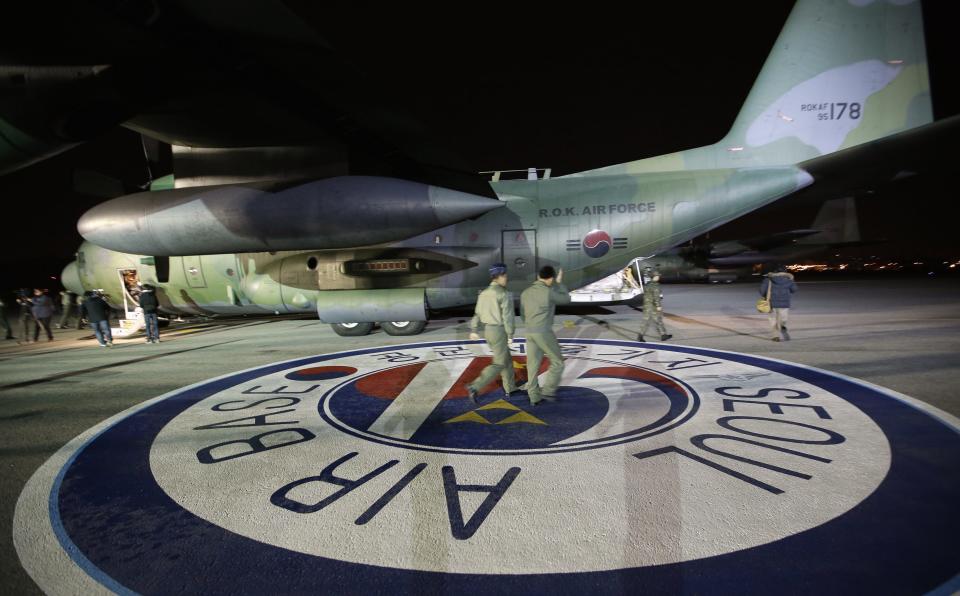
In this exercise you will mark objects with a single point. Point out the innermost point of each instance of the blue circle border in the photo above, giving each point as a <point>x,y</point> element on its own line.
<point>900,539</point>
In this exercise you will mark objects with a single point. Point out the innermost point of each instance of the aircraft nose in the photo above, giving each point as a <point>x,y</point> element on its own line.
<point>70,278</point>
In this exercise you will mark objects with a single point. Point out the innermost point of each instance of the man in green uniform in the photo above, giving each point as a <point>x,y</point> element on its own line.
<point>495,311</point>
<point>652,309</point>
<point>537,304</point>
<point>66,308</point>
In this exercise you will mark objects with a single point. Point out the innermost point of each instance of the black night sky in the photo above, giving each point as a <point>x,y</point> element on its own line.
<point>514,90</point>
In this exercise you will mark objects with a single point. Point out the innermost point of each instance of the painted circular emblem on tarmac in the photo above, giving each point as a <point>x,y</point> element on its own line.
<point>658,468</point>
<point>597,243</point>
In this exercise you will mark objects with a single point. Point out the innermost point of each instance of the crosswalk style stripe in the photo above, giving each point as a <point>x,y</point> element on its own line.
<point>411,408</point>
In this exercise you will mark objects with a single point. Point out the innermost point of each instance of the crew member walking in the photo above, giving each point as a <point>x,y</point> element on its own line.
<point>652,307</point>
<point>66,308</point>
<point>494,311</point>
<point>150,304</point>
<point>781,290</point>
<point>537,305</point>
<point>96,310</point>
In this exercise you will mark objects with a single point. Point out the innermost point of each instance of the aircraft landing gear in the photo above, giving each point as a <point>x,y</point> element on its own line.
<point>403,327</point>
<point>352,329</point>
<point>389,327</point>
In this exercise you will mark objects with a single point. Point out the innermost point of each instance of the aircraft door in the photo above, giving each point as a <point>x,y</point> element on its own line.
<point>193,271</point>
<point>519,252</point>
<point>130,286</point>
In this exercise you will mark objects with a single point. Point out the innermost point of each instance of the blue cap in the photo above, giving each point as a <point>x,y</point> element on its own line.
<point>497,269</point>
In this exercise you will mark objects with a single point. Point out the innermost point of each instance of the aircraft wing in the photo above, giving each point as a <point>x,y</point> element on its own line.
<point>208,75</point>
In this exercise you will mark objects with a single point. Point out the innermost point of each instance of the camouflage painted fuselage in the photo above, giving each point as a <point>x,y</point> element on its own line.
<point>841,74</point>
<point>590,227</point>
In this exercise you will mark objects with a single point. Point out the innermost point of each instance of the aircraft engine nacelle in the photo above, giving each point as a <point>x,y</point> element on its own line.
<point>342,212</point>
<point>372,306</point>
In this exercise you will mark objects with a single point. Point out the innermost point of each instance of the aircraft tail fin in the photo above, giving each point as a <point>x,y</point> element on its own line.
<point>837,223</point>
<point>841,73</point>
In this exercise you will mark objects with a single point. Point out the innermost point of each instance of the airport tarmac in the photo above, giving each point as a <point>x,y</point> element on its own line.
<point>903,335</point>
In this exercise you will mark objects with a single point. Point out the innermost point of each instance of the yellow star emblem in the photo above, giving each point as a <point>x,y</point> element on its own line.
<point>520,416</point>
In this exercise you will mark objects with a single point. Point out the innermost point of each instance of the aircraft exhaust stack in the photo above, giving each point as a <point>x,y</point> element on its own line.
<point>338,212</point>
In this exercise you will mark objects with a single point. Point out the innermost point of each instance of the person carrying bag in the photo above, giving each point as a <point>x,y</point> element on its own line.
<point>763,304</point>
<point>778,287</point>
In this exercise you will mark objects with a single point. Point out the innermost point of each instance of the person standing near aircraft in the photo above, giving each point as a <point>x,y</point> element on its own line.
<point>97,311</point>
<point>42,309</point>
<point>494,311</point>
<point>80,299</point>
<point>783,286</point>
<point>537,305</point>
<point>4,321</point>
<point>66,308</point>
<point>26,314</point>
<point>652,306</point>
<point>149,304</point>
<point>627,280</point>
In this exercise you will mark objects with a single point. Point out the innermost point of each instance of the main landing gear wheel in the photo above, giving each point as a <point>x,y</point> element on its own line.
<point>352,329</point>
<point>403,327</point>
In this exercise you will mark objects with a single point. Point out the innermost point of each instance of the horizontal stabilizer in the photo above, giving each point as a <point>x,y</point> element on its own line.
<point>865,166</point>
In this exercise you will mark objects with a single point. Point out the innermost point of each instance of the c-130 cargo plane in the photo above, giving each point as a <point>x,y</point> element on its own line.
<point>845,83</point>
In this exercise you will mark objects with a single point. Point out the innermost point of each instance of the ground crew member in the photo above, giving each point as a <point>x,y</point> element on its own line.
<point>149,304</point>
<point>66,308</point>
<point>652,308</point>
<point>96,310</point>
<point>4,321</point>
<point>537,304</point>
<point>495,311</point>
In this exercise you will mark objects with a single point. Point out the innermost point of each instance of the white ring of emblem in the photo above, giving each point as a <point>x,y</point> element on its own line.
<point>61,571</point>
